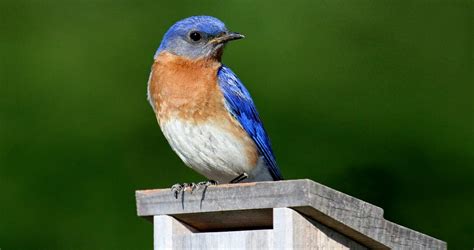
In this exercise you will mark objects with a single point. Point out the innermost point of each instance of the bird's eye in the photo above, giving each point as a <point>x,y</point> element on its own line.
<point>195,36</point>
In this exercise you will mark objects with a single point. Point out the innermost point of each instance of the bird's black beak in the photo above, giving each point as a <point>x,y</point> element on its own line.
<point>225,37</point>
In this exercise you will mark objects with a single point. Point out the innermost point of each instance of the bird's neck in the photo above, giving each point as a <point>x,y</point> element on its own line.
<point>181,62</point>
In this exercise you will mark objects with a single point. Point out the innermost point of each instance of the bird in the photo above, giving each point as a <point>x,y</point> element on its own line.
<point>204,111</point>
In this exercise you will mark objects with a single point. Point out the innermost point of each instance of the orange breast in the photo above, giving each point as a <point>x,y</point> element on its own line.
<point>188,90</point>
<point>185,88</point>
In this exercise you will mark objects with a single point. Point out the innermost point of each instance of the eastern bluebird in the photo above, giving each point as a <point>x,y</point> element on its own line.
<point>203,109</point>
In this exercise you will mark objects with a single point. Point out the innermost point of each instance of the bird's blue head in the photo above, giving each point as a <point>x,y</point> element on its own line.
<point>197,37</point>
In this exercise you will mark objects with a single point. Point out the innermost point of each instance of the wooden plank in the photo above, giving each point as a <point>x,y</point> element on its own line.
<point>291,230</point>
<point>237,240</point>
<point>165,228</point>
<point>347,215</point>
<point>170,233</point>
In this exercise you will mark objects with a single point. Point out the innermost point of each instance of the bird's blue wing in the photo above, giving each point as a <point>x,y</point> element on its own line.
<point>241,106</point>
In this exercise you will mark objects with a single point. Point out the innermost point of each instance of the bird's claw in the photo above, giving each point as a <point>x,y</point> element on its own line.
<point>176,189</point>
<point>189,187</point>
<point>207,183</point>
<point>180,188</point>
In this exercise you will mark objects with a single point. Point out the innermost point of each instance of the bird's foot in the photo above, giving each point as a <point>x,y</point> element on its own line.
<point>207,183</point>
<point>180,188</point>
<point>240,178</point>
<point>176,189</point>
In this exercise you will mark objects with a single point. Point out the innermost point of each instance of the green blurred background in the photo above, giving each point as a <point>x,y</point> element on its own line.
<point>373,98</point>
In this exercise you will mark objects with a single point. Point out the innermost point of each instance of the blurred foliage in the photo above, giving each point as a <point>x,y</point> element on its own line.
<point>373,98</point>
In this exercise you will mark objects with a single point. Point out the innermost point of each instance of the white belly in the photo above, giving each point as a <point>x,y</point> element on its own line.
<point>209,149</point>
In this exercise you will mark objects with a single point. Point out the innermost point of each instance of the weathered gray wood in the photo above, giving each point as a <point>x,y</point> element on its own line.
<point>165,228</point>
<point>254,239</point>
<point>347,215</point>
<point>291,230</point>
<point>169,233</point>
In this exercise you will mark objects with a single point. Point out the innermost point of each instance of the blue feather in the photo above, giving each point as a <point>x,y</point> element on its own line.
<point>241,106</point>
